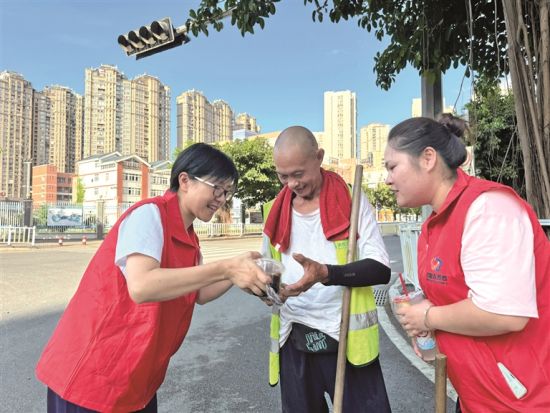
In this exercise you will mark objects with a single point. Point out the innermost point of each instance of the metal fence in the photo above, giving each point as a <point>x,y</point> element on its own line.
<point>15,235</point>
<point>210,230</point>
<point>11,213</point>
<point>408,236</point>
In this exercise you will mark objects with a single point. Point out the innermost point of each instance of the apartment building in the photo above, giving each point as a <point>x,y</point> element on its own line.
<point>198,120</point>
<point>16,129</point>
<point>159,177</point>
<point>246,122</point>
<point>146,121</point>
<point>41,128</point>
<point>373,139</point>
<point>339,138</point>
<point>222,122</point>
<point>127,116</point>
<point>103,110</point>
<point>194,118</point>
<point>65,128</point>
<point>49,186</point>
<point>120,181</point>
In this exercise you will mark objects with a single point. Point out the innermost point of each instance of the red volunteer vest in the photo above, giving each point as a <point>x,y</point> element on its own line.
<point>109,353</point>
<point>472,361</point>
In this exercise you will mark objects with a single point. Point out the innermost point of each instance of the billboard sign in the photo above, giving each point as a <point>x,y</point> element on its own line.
<point>64,217</point>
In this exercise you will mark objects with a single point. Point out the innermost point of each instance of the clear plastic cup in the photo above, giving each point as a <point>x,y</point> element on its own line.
<point>274,269</point>
<point>425,342</point>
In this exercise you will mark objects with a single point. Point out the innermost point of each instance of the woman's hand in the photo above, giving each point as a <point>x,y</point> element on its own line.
<point>243,272</point>
<point>411,317</point>
<point>314,272</point>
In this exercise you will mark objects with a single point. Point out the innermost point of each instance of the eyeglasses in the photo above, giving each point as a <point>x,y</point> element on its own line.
<point>218,190</point>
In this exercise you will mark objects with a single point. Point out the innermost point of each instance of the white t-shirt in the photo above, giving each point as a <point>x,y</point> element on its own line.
<point>320,307</point>
<point>497,255</point>
<point>141,232</point>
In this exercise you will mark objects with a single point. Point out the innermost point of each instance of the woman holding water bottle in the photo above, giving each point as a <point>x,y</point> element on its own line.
<point>484,267</point>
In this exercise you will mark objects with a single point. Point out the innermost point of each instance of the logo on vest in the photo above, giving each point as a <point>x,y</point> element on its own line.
<point>435,264</point>
<point>316,341</point>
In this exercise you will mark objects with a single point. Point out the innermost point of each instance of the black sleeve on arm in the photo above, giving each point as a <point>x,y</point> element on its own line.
<point>358,274</point>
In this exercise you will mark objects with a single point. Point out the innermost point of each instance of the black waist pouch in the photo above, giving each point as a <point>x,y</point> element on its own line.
<point>311,340</point>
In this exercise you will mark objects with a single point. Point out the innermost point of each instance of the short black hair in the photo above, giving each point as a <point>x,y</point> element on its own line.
<point>203,160</point>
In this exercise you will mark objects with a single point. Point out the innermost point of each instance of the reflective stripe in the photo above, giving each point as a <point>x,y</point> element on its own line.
<point>274,347</point>
<point>362,344</point>
<point>362,321</point>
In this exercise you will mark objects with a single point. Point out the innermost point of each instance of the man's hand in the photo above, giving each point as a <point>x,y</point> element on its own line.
<point>314,272</point>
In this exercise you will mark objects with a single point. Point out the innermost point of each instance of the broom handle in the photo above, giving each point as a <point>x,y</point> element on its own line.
<point>344,325</point>
<point>440,383</point>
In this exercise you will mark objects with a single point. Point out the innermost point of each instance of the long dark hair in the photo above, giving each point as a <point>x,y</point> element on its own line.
<point>413,135</point>
<point>203,160</point>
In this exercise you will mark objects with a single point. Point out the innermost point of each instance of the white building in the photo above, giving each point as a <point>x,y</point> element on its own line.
<point>373,139</point>
<point>339,139</point>
<point>120,181</point>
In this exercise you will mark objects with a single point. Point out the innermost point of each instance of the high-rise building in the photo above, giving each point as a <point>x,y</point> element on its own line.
<point>198,120</point>
<point>374,138</point>
<point>194,118</point>
<point>147,120</point>
<point>223,121</point>
<point>103,110</point>
<point>129,116</point>
<point>57,128</point>
<point>41,128</point>
<point>64,127</point>
<point>79,127</point>
<point>339,139</point>
<point>246,122</point>
<point>16,129</point>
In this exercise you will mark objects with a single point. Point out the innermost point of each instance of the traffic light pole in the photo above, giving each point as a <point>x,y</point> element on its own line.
<point>160,35</point>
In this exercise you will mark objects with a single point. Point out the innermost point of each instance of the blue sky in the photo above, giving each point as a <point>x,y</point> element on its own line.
<point>278,74</point>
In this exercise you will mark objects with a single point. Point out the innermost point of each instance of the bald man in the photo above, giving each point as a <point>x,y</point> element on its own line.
<point>306,229</point>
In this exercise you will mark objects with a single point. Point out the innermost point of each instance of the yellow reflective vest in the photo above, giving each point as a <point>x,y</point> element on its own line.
<point>362,340</point>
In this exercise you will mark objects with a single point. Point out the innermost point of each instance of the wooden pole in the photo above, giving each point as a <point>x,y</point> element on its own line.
<point>440,383</point>
<point>344,325</point>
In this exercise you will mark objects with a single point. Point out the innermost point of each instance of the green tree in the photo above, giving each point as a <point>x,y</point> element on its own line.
<point>490,37</point>
<point>40,216</point>
<point>258,181</point>
<point>493,134</point>
<point>430,35</point>
<point>382,197</point>
<point>177,150</point>
<point>80,191</point>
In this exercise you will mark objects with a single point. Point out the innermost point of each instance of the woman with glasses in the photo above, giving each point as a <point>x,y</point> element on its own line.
<point>131,312</point>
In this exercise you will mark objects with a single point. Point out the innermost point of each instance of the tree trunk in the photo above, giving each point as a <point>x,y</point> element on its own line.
<point>530,73</point>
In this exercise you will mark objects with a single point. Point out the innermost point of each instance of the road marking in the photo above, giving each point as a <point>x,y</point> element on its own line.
<point>405,348</point>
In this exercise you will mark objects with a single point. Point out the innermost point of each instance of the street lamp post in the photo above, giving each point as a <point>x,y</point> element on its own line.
<point>432,105</point>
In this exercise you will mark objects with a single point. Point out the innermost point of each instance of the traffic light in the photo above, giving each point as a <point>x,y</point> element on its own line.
<point>147,40</point>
